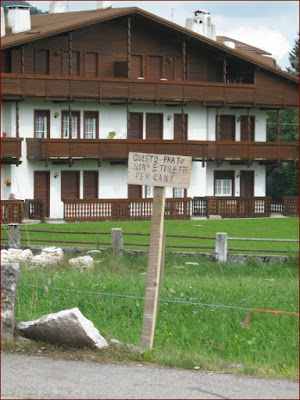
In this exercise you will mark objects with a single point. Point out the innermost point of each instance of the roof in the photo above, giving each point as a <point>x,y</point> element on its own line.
<point>46,25</point>
<point>242,46</point>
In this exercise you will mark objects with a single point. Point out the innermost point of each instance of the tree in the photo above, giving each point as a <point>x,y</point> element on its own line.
<point>294,59</point>
<point>284,180</point>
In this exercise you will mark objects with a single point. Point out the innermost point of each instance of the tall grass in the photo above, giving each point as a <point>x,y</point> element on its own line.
<point>187,334</point>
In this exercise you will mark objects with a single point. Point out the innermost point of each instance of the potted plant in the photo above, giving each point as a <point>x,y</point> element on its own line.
<point>8,182</point>
<point>112,134</point>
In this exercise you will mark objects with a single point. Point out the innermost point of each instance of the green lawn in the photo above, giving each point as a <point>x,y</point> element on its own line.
<point>279,228</point>
<point>208,335</point>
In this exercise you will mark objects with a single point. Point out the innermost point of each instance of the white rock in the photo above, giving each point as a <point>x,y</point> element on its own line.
<point>68,327</point>
<point>81,263</point>
<point>26,255</point>
<point>95,252</point>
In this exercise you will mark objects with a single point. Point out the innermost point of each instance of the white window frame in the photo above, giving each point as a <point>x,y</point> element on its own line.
<point>149,192</point>
<point>74,123</point>
<point>223,187</point>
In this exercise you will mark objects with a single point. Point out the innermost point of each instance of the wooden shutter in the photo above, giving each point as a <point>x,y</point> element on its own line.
<point>154,126</point>
<point>227,128</point>
<point>180,131</point>
<point>42,190</point>
<point>169,68</point>
<point>136,66</point>
<point>247,184</point>
<point>90,184</point>
<point>69,185</point>
<point>154,67</point>
<point>91,64</point>
<point>134,191</point>
<point>244,128</point>
<point>136,126</point>
<point>75,63</point>
<point>41,62</point>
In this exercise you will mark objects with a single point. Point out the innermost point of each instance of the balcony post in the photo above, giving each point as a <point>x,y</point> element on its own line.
<point>278,126</point>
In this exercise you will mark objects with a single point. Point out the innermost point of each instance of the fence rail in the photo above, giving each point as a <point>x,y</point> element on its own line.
<point>214,245</point>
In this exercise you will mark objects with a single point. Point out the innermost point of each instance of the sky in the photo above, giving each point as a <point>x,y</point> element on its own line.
<point>269,25</point>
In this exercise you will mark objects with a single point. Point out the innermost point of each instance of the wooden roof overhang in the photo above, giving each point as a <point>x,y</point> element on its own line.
<point>46,25</point>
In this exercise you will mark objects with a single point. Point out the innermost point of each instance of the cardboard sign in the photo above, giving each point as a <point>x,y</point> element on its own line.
<point>159,170</point>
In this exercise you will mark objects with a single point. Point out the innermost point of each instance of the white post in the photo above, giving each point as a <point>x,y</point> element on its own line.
<point>14,236</point>
<point>221,246</point>
<point>117,240</point>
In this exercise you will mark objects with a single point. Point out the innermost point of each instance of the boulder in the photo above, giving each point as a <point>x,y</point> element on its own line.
<point>49,255</point>
<point>67,327</point>
<point>81,263</point>
<point>10,275</point>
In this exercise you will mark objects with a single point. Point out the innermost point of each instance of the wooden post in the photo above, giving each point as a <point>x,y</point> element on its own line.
<point>155,260</point>
<point>160,171</point>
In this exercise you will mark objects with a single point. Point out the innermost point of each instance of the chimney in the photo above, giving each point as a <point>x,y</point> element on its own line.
<point>19,18</point>
<point>2,22</point>
<point>57,7</point>
<point>201,24</point>
<point>103,5</point>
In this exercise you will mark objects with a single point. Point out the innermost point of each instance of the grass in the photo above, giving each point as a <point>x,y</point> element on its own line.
<point>278,228</point>
<point>187,335</point>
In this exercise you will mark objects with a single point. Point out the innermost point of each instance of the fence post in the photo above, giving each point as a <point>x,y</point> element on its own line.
<point>221,246</point>
<point>117,240</point>
<point>14,236</point>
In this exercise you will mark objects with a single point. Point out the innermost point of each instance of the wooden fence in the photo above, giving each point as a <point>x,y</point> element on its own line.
<point>122,210</point>
<point>14,211</point>
<point>186,243</point>
<point>11,211</point>
<point>245,207</point>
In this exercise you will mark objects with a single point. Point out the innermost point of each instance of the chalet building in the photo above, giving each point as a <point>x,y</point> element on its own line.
<point>80,90</point>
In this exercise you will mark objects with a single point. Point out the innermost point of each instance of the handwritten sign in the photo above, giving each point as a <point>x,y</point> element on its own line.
<point>159,170</point>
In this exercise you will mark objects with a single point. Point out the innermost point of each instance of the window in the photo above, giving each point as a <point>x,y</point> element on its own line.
<point>41,124</point>
<point>178,193</point>
<point>91,125</point>
<point>224,183</point>
<point>223,187</point>
<point>149,192</point>
<point>74,125</point>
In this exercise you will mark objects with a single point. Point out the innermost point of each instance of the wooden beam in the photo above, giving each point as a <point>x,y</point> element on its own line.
<point>155,259</point>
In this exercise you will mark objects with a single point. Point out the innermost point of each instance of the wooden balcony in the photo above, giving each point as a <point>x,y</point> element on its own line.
<point>116,149</point>
<point>117,90</point>
<point>11,150</point>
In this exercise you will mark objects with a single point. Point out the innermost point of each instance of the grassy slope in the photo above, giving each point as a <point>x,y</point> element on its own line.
<point>187,335</point>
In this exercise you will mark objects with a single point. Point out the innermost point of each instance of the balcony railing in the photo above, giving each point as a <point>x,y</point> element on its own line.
<point>11,150</point>
<point>122,210</point>
<point>245,207</point>
<point>62,88</point>
<point>69,149</point>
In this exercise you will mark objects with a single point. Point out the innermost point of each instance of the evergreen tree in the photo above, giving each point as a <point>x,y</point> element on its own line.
<point>294,59</point>
<point>284,180</point>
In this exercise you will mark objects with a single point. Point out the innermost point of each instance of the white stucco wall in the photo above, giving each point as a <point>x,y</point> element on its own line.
<point>113,178</point>
<point>259,177</point>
